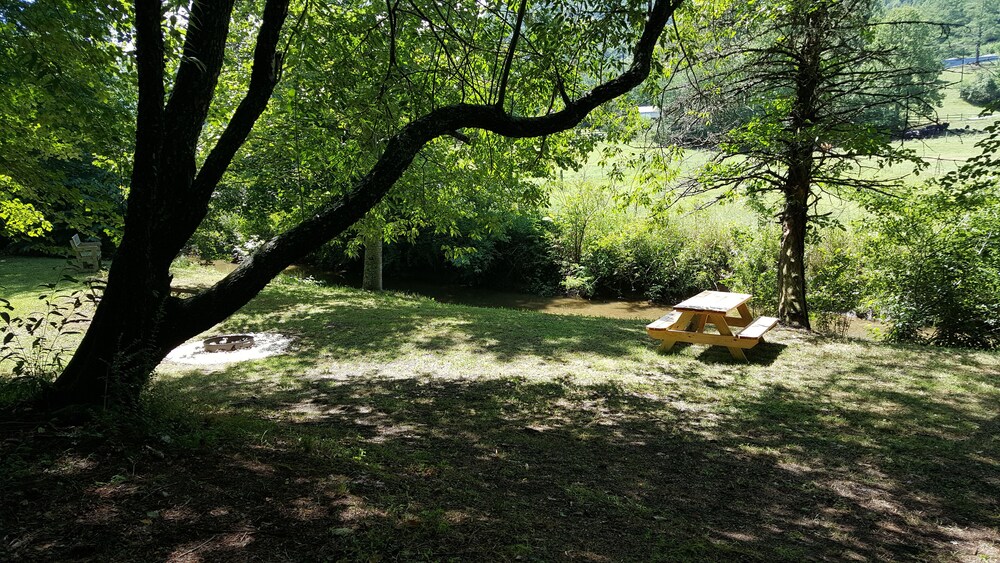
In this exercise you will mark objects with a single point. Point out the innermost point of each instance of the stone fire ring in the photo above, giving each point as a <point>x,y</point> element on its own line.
<point>228,342</point>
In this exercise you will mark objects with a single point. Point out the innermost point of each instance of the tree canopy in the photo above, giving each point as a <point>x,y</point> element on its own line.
<point>473,67</point>
<point>65,114</point>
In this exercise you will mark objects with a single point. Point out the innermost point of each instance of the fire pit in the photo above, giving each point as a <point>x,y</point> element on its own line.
<point>235,349</point>
<point>228,342</point>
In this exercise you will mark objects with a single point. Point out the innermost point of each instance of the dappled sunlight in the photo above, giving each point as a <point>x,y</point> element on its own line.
<point>392,326</point>
<point>70,464</point>
<point>195,550</point>
<point>397,426</point>
<point>100,515</point>
<point>647,444</point>
<point>612,470</point>
<point>895,456</point>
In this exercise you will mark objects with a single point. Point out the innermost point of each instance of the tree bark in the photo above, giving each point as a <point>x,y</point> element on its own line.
<point>800,161</point>
<point>137,322</point>
<point>371,280</point>
<point>792,310</point>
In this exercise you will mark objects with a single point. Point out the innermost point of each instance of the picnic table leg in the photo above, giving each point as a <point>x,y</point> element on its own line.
<point>682,324</point>
<point>744,312</point>
<point>720,323</point>
<point>699,323</point>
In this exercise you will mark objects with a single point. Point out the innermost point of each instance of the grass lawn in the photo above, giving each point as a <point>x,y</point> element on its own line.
<point>953,108</point>
<point>397,428</point>
<point>49,290</point>
<point>22,280</point>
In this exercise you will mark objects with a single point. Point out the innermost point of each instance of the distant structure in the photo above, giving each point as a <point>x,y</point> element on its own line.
<point>959,61</point>
<point>649,112</point>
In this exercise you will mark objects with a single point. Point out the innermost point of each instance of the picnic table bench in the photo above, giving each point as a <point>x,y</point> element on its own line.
<point>86,253</point>
<point>686,323</point>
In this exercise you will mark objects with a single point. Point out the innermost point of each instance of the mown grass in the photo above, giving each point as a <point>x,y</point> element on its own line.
<point>49,303</point>
<point>953,108</point>
<point>397,429</point>
<point>24,280</point>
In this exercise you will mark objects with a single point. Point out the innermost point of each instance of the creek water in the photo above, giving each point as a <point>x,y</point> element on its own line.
<point>558,305</point>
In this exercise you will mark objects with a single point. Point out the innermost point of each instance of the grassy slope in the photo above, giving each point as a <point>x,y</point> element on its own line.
<point>942,154</point>
<point>398,428</point>
<point>953,108</point>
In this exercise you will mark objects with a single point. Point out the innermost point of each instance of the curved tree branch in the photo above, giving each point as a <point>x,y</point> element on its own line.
<point>229,294</point>
<point>509,59</point>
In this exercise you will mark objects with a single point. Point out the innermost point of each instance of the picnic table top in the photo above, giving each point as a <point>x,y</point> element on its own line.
<point>713,302</point>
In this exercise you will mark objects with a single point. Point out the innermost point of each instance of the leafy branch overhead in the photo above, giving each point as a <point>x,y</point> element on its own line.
<point>137,322</point>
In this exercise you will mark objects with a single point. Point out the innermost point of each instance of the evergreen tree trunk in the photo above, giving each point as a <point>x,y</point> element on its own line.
<point>792,310</point>
<point>800,161</point>
<point>372,278</point>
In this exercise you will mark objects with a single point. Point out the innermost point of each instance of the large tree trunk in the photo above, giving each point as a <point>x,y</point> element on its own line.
<point>124,340</point>
<point>137,322</point>
<point>792,310</point>
<point>800,160</point>
<point>371,280</point>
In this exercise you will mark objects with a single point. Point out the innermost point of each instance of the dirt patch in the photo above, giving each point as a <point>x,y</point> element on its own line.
<point>266,344</point>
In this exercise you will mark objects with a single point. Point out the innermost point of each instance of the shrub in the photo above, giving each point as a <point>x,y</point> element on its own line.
<point>224,236</point>
<point>835,268</point>
<point>981,90</point>
<point>520,257</point>
<point>937,270</point>
<point>576,281</point>
<point>655,260</point>
<point>635,261</point>
<point>753,266</point>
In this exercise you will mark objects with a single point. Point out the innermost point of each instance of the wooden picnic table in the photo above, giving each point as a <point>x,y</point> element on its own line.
<point>686,323</point>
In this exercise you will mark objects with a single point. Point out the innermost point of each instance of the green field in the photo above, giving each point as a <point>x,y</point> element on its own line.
<point>942,154</point>
<point>22,281</point>
<point>953,108</point>
<point>399,428</point>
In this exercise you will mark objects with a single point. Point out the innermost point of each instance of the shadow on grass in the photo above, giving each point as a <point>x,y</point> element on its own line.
<point>764,354</point>
<point>504,469</point>
<point>388,326</point>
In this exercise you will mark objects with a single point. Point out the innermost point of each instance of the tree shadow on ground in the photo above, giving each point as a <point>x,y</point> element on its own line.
<point>508,469</point>
<point>391,326</point>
